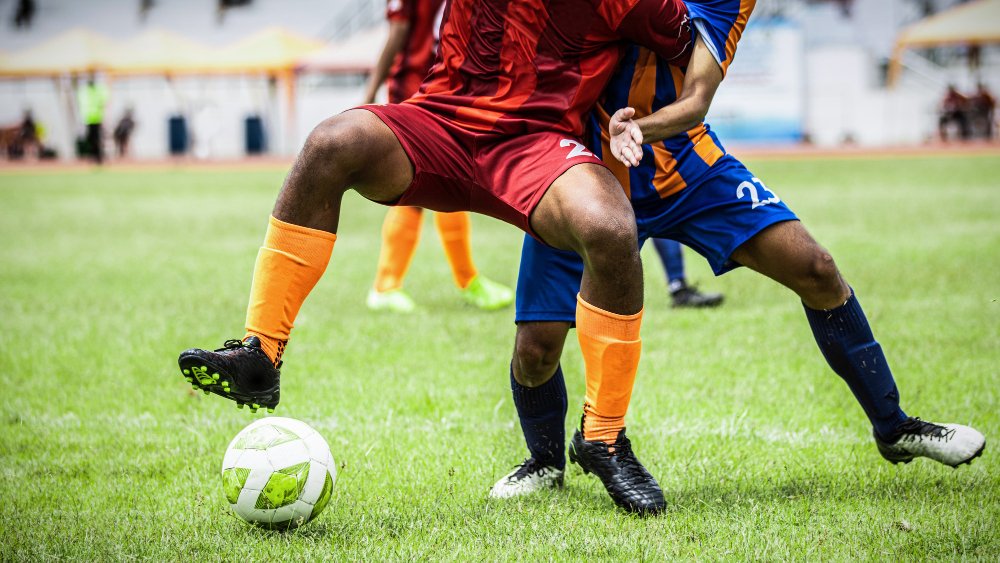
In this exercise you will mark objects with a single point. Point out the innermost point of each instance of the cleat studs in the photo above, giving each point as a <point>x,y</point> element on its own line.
<point>239,405</point>
<point>189,379</point>
<point>270,409</point>
<point>205,391</point>
<point>186,372</point>
<point>253,410</point>
<point>215,377</point>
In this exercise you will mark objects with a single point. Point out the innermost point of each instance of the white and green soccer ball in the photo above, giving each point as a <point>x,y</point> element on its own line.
<point>278,473</point>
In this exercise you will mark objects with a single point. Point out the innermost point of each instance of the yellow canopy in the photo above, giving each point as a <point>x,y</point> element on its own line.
<point>271,50</point>
<point>357,53</point>
<point>158,52</point>
<point>973,23</point>
<point>75,51</point>
<point>966,24</point>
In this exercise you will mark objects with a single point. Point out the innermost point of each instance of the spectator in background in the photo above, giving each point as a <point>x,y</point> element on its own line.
<point>92,99</point>
<point>982,107</point>
<point>123,132</point>
<point>17,140</point>
<point>24,14</point>
<point>28,134</point>
<point>954,109</point>
<point>145,6</point>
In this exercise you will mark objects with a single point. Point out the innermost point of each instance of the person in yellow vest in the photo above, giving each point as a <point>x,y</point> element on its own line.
<point>92,99</point>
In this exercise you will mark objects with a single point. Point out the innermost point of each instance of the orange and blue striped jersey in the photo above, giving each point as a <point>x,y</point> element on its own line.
<point>647,83</point>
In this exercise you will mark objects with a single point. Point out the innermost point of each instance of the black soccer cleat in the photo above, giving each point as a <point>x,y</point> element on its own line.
<point>626,480</point>
<point>950,444</point>
<point>239,371</point>
<point>688,296</point>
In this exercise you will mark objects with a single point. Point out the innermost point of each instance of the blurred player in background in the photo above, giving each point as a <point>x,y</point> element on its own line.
<point>496,128</point>
<point>406,59</point>
<point>684,186</point>
<point>682,294</point>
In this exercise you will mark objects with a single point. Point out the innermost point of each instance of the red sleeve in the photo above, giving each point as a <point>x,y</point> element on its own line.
<point>398,10</point>
<point>662,26</point>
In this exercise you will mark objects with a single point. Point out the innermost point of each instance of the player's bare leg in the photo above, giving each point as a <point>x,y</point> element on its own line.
<point>352,150</point>
<point>585,210</point>
<point>787,253</point>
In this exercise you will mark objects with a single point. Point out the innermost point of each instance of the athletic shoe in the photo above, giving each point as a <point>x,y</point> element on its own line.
<point>625,479</point>
<point>394,301</point>
<point>239,371</point>
<point>487,294</point>
<point>689,296</point>
<point>528,477</point>
<point>950,444</point>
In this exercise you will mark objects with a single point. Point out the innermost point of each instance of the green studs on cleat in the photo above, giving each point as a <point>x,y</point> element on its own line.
<point>270,410</point>
<point>189,379</point>
<point>253,410</point>
<point>201,372</point>
<point>215,377</point>
<point>239,405</point>
<point>205,391</point>
<point>187,372</point>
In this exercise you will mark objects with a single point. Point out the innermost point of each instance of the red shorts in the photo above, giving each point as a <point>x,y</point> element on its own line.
<point>457,169</point>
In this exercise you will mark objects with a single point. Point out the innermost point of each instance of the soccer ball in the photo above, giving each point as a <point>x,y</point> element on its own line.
<point>278,473</point>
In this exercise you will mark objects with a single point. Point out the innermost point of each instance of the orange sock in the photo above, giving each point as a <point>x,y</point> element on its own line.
<point>289,264</point>
<point>454,229</point>
<point>610,345</point>
<point>400,235</point>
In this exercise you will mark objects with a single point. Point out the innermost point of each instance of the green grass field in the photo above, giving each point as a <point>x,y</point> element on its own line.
<point>105,453</point>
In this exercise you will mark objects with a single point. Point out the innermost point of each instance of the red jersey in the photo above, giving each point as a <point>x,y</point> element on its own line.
<point>414,61</point>
<point>521,66</point>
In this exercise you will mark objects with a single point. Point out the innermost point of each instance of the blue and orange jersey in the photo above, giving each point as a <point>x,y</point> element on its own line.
<point>647,83</point>
<point>521,66</point>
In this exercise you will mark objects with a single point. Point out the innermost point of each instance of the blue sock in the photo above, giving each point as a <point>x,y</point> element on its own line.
<point>673,261</point>
<point>542,411</point>
<point>847,343</point>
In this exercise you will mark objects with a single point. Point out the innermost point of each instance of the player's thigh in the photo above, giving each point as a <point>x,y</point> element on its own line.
<point>585,209</point>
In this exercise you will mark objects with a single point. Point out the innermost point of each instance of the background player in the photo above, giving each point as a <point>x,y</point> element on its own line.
<point>685,187</point>
<point>683,295</point>
<point>406,60</point>
<point>496,129</point>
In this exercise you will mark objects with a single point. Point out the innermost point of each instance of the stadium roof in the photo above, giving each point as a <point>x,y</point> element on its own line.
<point>271,50</point>
<point>355,54</point>
<point>973,23</point>
<point>967,24</point>
<point>158,52</point>
<point>76,51</point>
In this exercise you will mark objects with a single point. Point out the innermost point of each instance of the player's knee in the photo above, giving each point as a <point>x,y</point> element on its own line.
<point>609,235</point>
<point>337,141</point>
<point>535,361</point>
<point>820,277</point>
<point>822,268</point>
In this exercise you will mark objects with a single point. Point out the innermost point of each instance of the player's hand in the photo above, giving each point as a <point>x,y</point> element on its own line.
<point>626,138</point>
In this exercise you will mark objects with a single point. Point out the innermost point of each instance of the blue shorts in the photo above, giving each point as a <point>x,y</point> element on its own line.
<point>714,216</point>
